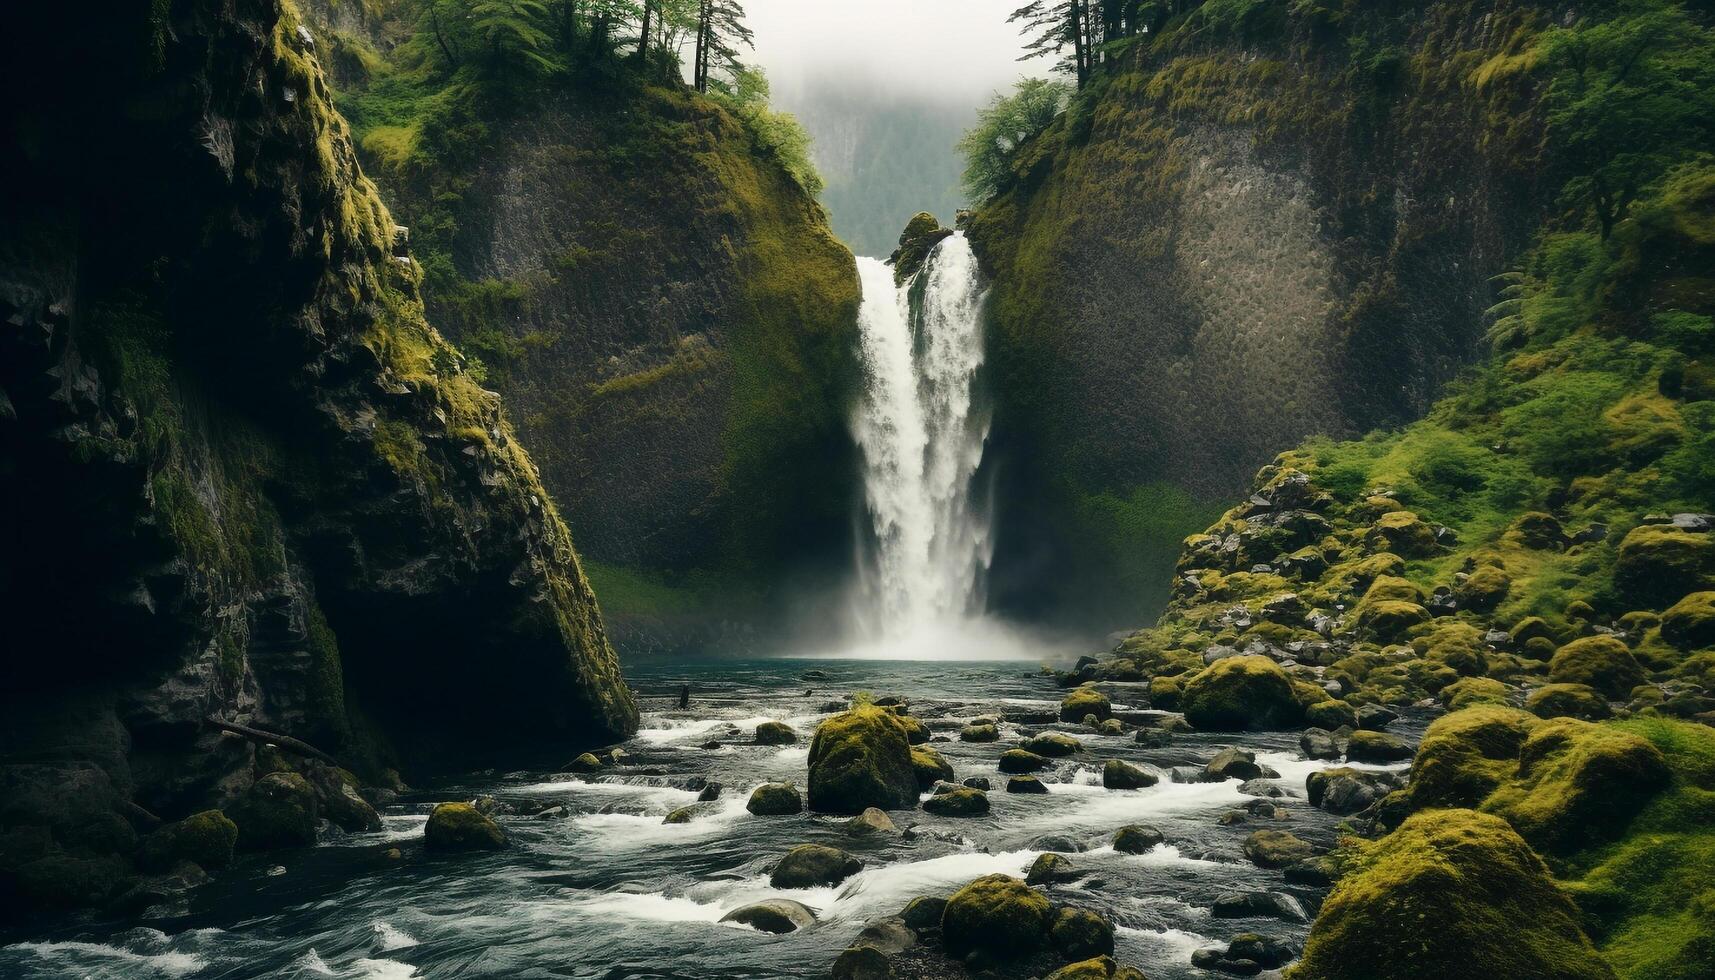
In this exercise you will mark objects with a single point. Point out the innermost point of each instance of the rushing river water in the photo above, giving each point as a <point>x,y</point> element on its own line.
<point>610,891</point>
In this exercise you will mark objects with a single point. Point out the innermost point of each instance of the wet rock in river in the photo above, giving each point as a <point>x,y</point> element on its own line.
<point>859,759</point>
<point>1345,791</point>
<point>813,866</point>
<point>586,763</point>
<point>998,916</point>
<point>1026,785</point>
<point>961,802</point>
<point>1137,838</point>
<point>923,914</point>
<point>930,766</point>
<point>1376,747</point>
<point>1052,745</point>
<point>1232,763</point>
<point>1275,849</point>
<point>979,733</point>
<point>207,839</point>
<point>1258,905</point>
<point>870,822</point>
<point>1057,843</point>
<point>1083,702</point>
<point>1318,743</point>
<point>775,800</point>
<point>710,791</point>
<point>1051,869</point>
<point>1021,761</point>
<point>775,733</point>
<point>777,915</point>
<point>461,827</point>
<point>1078,934</point>
<point>1123,775</point>
<point>977,782</point>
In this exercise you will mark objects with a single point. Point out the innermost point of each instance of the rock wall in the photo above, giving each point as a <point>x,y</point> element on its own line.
<point>242,479</point>
<point>667,311</point>
<point>1234,240</point>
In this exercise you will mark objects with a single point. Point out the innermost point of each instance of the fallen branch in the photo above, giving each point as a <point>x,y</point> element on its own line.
<point>286,742</point>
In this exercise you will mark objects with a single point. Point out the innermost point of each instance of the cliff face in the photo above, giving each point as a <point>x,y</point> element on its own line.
<point>241,476</point>
<point>1246,232</point>
<point>666,309</point>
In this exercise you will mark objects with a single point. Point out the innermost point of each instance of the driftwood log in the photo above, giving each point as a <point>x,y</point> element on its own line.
<point>287,742</point>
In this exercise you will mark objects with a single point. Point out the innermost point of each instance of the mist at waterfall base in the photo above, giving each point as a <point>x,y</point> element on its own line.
<point>925,538</point>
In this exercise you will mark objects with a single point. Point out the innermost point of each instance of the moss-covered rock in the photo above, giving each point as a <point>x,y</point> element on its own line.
<point>862,758</point>
<point>1367,746</point>
<point>775,800</point>
<point>1578,784</point>
<point>1018,761</point>
<point>1331,714</point>
<point>1567,701</point>
<point>1080,933</point>
<point>1601,662</point>
<point>1117,774</point>
<point>813,866</point>
<point>1085,701</point>
<point>206,838</point>
<point>922,233</point>
<point>998,916</point>
<point>775,733</point>
<point>1468,754</point>
<point>930,767</point>
<point>916,733</point>
<point>462,827</point>
<point>963,802</point>
<point>1537,530</point>
<point>280,810</point>
<point>1451,893</point>
<point>1659,563</point>
<point>1136,839</point>
<point>1689,624</point>
<point>1276,849</point>
<point>1237,693</point>
<point>1389,619</point>
<point>1484,589</point>
<point>1053,745</point>
<point>979,733</point>
<point>1404,534</point>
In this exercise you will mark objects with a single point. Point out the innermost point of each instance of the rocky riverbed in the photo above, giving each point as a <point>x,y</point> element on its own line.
<point>635,867</point>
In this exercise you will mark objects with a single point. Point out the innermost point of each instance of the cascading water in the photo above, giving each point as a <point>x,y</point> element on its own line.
<point>921,430</point>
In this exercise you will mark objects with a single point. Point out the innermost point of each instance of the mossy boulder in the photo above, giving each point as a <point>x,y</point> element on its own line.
<point>1659,563</point>
<point>1276,849</point>
<point>1018,761</point>
<point>1578,784</point>
<point>962,802</point>
<point>206,839</point>
<point>1331,714</point>
<point>462,827</point>
<point>1051,869</point>
<point>1404,534</point>
<point>1389,619</point>
<point>1028,785</point>
<point>930,767</point>
<point>775,733</point>
<point>1239,693</point>
<point>1453,894</point>
<point>916,733</point>
<point>1137,839</point>
<point>1484,589</point>
<point>1117,774</point>
<point>279,810</point>
<point>1392,588</point>
<point>979,733</point>
<point>922,233</point>
<point>1079,933</point>
<point>1601,662</point>
<point>775,800</point>
<point>813,866</point>
<point>1368,746</point>
<point>1537,530</point>
<point>585,764</point>
<point>1053,745</point>
<point>862,758</point>
<point>998,916</point>
<point>1567,701</point>
<point>1096,968</point>
<point>1465,756</point>
<point>1689,624</point>
<point>1085,701</point>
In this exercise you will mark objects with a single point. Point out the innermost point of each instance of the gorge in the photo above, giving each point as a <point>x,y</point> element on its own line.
<point>464,513</point>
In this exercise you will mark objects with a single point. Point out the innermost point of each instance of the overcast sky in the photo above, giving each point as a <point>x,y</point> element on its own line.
<point>962,50</point>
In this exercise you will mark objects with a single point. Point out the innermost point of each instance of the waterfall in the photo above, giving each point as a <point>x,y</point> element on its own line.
<point>921,431</point>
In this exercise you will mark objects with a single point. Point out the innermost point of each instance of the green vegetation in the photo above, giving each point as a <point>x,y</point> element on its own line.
<point>1004,126</point>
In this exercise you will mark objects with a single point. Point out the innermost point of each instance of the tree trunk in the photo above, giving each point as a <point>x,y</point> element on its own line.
<point>643,35</point>
<point>1079,54</point>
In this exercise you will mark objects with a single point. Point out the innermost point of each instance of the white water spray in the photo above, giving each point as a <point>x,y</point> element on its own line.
<point>921,431</point>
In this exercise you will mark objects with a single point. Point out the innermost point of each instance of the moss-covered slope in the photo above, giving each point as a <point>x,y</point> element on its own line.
<point>1264,220</point>
<point>665,308</point>
<point>242,479</point>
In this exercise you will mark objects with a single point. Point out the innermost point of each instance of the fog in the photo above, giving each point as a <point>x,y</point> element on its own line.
<point>957,51</point>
